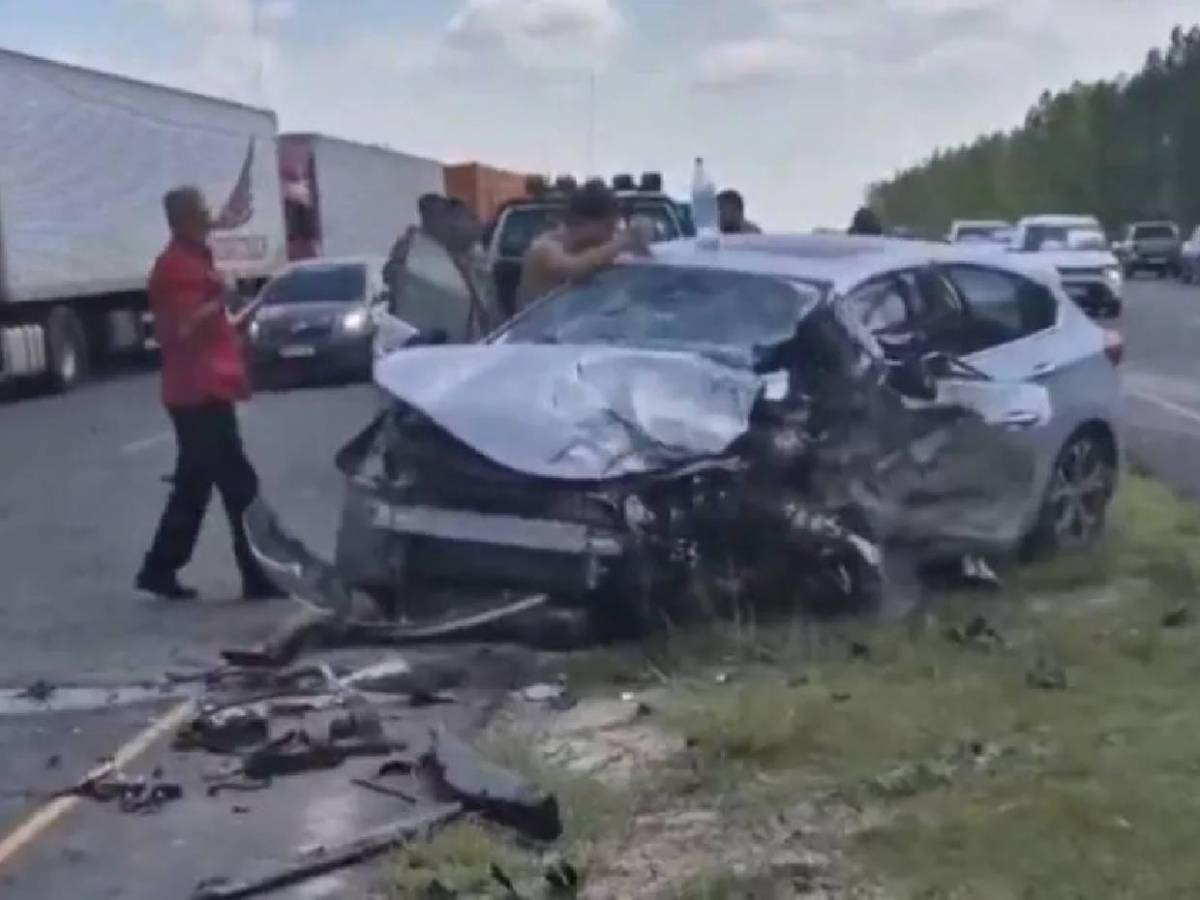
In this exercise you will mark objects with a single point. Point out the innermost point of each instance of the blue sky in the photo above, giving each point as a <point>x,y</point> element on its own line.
<point>800,103</point>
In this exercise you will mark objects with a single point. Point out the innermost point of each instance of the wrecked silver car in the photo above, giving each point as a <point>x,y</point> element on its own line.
<point>684,429</point>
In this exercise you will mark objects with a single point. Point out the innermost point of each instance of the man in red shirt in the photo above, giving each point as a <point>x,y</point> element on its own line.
<point>203,377</point>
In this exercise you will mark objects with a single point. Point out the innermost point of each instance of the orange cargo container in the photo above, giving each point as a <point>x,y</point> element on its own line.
<point>483,188</point>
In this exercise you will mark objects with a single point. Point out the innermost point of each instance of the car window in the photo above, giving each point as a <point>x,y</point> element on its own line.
<point>318,284</point>
<point>431,293</point>
<point>1153,232</point>
<point>1063,237</point>
<point>1000,306</point>
<point>520,227</point>
<point>881,306</point>
<point>658,215</point>
<point>669,307</point>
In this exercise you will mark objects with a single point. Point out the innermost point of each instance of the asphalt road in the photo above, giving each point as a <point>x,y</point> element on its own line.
<point>81,490</point>
<point>1161,325</point>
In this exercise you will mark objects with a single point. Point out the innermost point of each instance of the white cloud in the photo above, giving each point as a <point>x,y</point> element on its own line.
<point>747,63</point>
<point>537,32</point>
<point>233,46</point>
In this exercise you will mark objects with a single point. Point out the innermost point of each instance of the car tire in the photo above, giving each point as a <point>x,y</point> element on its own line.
<point>66,350</point>
<point>1081,487</point>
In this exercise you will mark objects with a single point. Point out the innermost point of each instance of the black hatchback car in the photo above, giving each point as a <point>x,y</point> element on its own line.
<point>315,320</point>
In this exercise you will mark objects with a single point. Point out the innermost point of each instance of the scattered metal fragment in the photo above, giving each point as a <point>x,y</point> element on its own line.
<point>541,693</point>
<point>290,754</point>
<point>460,773</point>
<point>224,731</point>
<point>133,795</point>
<point>501,878</point>
<point>1046,676</point>
<point>327,859</point>
<point>238,785</point>
<point>39,691</point>
<point>1177,618</point>
<point>561,876</point>
<point>362,722</point>
<point>978,633</point>
<point>384,789</point>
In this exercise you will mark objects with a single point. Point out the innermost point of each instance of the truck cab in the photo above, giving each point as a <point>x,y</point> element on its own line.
<point>520,222</point>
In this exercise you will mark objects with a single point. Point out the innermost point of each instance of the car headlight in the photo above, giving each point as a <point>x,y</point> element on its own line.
<point>254,330</point>
<point>355,321</point>
<point>1113,274</point>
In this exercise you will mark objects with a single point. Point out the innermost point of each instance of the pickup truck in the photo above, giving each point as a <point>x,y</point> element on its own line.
<point>1077,248</point>
<point>520,222</point>
<point>1150,246</point>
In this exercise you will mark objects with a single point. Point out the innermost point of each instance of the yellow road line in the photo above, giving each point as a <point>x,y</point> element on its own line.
<point>34,826</point>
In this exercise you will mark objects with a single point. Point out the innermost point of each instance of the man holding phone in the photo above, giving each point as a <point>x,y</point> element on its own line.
<point>203,378</point>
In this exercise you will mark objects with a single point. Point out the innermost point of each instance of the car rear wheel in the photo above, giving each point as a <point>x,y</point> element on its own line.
<point>1081,487</point>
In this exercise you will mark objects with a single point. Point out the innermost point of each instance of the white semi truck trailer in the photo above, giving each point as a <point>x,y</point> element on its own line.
<point>85,159</point>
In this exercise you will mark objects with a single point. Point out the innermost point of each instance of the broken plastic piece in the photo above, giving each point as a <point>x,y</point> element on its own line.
<point>460,773</point>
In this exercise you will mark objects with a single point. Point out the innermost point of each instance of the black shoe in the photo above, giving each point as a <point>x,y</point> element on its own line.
<point>261,589</point>
<point>164,585</point>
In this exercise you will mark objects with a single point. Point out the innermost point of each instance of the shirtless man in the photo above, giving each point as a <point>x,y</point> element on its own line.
<point>585,243</point>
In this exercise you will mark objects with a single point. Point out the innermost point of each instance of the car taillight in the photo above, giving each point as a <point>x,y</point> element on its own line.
<point>1114,346</point>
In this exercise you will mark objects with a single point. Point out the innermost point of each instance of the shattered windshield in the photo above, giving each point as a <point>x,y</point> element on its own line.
<point>668,307</point>
<point>324,284</point>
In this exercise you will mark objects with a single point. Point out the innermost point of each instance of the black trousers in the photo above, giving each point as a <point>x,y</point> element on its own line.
<point>210,455</point>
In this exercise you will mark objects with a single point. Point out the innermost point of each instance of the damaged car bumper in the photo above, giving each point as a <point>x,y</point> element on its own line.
<point>384,542</point>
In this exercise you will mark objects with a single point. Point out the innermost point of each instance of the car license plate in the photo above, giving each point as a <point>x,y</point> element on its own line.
<point>1155,260</point>
<point>297,351</point>
<point>1077,290</point>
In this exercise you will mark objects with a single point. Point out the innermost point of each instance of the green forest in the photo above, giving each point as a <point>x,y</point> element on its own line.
<point>1123,150</point>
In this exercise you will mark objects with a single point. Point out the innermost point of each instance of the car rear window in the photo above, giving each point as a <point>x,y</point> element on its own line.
<point>524,225</point>
<point>1153,232</point>
<point>669,307</point>
<point>318,284</point>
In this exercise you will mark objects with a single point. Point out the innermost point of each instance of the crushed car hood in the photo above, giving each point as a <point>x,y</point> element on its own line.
<point>578,413</point>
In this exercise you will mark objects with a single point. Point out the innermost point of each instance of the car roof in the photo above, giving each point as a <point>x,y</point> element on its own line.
<point>1059,220</point>
<point>838,260</point>
<point>999,223</point>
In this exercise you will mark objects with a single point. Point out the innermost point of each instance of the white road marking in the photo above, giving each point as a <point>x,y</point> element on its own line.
<point>38,823</point>
<point>145,443</point>
<point>1178,409</point>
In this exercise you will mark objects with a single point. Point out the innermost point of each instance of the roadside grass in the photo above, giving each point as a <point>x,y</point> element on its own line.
<point>458,858</point>
<point>980,783</point>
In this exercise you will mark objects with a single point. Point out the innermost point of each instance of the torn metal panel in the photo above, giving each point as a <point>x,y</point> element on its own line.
<point>463,775</point>
<point>572,412</point>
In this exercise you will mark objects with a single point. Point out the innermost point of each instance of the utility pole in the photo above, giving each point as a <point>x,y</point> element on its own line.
<point>591,126</point>
<point>259,50</point>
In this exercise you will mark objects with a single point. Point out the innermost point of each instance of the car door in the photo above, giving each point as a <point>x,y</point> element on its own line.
<point>955,468</point>
<point>1019,329</point>
<point>431,299</point>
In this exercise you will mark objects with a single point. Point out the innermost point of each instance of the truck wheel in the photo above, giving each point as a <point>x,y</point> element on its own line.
<point>66,350</point>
